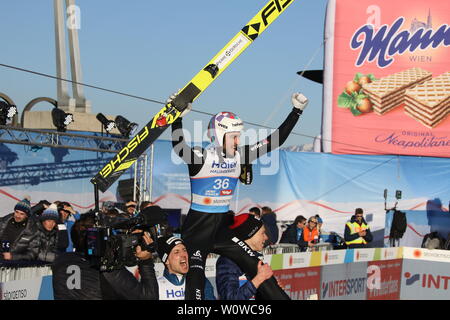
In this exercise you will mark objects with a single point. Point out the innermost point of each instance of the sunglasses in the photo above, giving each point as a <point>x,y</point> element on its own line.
<point>315,222</point>
<point>131,206</point>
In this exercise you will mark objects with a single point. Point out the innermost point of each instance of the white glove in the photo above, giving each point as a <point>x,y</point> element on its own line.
<point>299,101</point>
<point>185,111</point>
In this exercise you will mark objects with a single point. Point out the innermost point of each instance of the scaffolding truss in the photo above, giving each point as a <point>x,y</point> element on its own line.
<point>55,139</point>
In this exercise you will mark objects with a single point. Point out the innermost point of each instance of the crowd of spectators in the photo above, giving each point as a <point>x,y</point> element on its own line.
<point>42,232</point>
<point>307,233</point>
<point>39,233</point>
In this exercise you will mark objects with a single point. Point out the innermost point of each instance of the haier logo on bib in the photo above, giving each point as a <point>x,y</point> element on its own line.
<point>173,294</point>
<point>223,165</point>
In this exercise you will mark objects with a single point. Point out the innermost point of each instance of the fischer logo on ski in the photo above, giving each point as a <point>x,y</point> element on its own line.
<point>202,80</point>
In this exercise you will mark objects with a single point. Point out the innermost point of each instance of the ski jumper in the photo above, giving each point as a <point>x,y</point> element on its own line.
<point>213,178</point>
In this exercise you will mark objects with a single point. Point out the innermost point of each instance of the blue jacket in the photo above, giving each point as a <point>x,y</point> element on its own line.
<point>227,280</point>
<point>69,224</point>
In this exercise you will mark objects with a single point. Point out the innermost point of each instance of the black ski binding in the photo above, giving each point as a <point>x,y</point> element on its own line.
<point>212,69</point>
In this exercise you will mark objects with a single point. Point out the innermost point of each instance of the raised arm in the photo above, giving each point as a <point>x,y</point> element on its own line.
<point>277,138</point>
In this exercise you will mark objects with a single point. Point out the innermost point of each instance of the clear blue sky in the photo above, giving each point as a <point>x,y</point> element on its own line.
<point>152,48</point>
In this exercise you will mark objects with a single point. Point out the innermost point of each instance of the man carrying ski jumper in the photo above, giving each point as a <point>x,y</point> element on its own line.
<point>214,173</point>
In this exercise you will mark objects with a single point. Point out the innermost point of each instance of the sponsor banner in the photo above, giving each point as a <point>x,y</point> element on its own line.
<point>362,255</point>
<point>344,281</point>
<point>333,257</point>
<point>330,257</point>
<point>391,253</point>
<point>425,280</point>
<point>300,283</point>
<point>387,78</point>
<point>28,289</point>
<point>296,260</point>
<point>384,280</point>
<point>425,254</point>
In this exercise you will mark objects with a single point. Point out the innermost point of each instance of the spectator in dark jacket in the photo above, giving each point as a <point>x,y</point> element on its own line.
<point>270,222</point>
<point>51,236</point>
<point>357,232</point>
<point>232,283</point>
<point>293,231</point>
<point>17,232</point>
<point>75,278</point>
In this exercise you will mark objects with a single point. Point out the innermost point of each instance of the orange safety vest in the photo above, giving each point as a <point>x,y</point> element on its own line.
<point>309,235</point>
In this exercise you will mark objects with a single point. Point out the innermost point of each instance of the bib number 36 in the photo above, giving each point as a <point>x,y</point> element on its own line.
<point>221,184</point>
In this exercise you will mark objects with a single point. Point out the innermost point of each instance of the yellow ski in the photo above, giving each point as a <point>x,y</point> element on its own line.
<point>170,112</point>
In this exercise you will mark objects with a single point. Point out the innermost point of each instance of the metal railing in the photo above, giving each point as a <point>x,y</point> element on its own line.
<point>55,139</point>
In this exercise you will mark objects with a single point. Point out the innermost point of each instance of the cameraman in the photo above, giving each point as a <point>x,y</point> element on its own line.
<point>75,279</point>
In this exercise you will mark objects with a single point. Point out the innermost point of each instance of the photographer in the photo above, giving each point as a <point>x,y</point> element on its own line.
<point>74,277</point>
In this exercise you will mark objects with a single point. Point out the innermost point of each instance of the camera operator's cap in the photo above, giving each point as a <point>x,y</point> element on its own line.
<point>51,213</point>
<point>245,226</point>
<point>165,246</point>
<point>23,205</point>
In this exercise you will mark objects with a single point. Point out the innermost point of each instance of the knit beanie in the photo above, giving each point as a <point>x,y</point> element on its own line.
<point>165,246</point>
<point>24,205</point>
<point>245,226</point>
<point>51,213</point>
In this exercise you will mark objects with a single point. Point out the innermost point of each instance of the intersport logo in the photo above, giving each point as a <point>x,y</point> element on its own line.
<point>345,287</point>
<point>426,280</point>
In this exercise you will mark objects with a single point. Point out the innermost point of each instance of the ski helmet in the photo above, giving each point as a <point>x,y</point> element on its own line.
<point>222,123</point>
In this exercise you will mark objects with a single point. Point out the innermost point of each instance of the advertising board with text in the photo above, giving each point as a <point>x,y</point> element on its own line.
<point>389,273</point>
<point>300,283</point>
<point>387,77</point>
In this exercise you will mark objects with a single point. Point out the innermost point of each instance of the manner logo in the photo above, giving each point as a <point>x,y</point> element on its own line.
<point>390,41</point>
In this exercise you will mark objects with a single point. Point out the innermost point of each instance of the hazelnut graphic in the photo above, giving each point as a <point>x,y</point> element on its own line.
<point>364,105</point>
<point>351,87</point>
<point>363,80</point>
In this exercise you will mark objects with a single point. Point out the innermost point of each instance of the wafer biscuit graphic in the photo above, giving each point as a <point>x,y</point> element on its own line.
<point>389,92</point>
<point>429,103</point>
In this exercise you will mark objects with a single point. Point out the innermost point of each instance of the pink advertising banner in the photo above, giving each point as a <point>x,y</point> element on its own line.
<point>387,77</point>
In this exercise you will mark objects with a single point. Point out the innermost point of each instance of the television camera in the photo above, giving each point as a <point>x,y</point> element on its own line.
<point>112,242</point>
